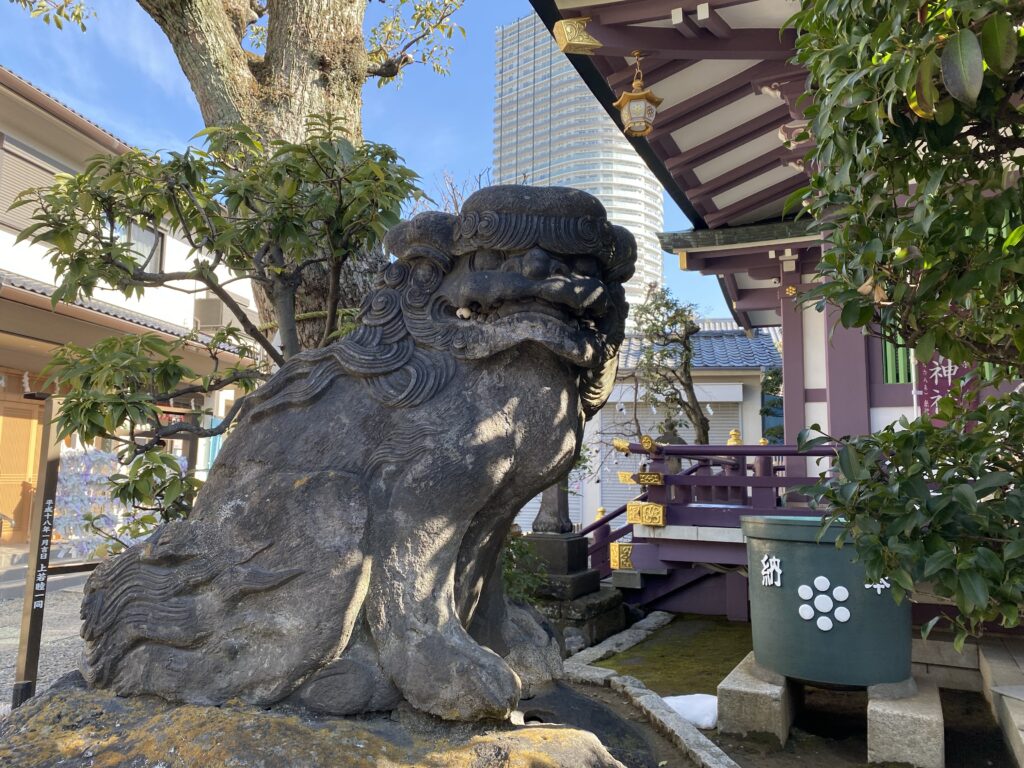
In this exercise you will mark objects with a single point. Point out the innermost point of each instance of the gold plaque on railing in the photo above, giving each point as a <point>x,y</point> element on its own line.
<point>650,478</point>
<point>620,556</point>
<point>645,513</point>
<point>647,442</point>
<point>626,478</point>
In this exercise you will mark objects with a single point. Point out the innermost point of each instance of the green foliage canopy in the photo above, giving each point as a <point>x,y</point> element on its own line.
<point>915,111</point>
<point>248,211</point>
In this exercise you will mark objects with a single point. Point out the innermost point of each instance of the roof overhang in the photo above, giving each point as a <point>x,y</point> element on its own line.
<point>719,144</point>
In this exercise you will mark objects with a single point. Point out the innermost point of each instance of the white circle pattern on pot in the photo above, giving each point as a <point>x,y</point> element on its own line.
<point>823,606</point>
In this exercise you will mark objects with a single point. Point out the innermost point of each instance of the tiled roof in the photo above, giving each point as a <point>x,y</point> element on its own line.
<point>111,310</point>
<point>58,108</point>
<point>717,349</point>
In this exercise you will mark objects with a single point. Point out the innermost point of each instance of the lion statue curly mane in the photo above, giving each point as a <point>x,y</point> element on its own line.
<point>344,552</point>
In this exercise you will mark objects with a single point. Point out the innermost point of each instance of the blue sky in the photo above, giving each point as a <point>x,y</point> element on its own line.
<point>122,74</point>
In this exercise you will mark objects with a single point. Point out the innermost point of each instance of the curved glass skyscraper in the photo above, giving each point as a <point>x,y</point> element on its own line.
<point>549,131</point>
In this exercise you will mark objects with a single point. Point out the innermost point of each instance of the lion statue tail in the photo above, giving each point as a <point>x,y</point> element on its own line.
<point>159,598</point>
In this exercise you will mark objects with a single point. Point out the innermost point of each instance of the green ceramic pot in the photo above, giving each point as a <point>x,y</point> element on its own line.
<point>812,615</point>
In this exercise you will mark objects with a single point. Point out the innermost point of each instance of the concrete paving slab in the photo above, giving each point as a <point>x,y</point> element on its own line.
<point>907,730</point>
<point>748,703</point>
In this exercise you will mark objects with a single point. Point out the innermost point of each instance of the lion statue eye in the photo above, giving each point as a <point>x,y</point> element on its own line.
<point>586,266</point>
<point>485,260</point>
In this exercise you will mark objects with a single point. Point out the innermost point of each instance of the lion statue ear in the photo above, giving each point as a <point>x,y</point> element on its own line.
<point>596,384</point>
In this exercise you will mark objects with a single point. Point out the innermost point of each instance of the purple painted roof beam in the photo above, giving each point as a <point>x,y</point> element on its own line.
<point>684,23</point>
<point>639,11</point>
<point>731,139</point>
<point>745,172</point>
<point>624,77</point>
<point>711,100</point>
<point>779,192</point>
<point>664,43</point>
<point>707,18</point>
<point>753,299</point>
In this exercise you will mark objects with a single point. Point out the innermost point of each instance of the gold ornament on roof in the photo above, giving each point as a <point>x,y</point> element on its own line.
<point>638,107</point>
<point>621,445</point>
<point>571,36</point>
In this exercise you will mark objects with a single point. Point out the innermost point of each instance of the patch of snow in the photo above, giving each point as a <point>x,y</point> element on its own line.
<point>701,709</point>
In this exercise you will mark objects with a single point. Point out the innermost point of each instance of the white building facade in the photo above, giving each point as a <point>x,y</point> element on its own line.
<point>549,131</point>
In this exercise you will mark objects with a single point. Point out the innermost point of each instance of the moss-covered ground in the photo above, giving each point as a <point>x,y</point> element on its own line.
<point>691,655</point>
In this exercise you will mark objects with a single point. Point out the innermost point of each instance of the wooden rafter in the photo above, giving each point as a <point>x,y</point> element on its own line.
<point>768,44</point>
<point>640,11</point>
<point>776,192</point>
<point>714,98</point>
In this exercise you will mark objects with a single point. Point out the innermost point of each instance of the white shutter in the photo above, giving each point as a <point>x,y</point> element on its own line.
<point>19,172</point>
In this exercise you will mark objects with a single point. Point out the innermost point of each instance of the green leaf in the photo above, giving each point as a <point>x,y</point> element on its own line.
<point>965,494</point>
<point>974,589</point>
<point>927,628</point>
<point>962,68</point>
<point>925,347</point>
<point>999,43</point>
<point>1013,550</point>
<point>1013,238</point>
<point>938,562</point>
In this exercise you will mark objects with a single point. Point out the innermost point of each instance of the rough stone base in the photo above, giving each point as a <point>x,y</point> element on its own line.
<point>753,700</point>
<point>596,616</point>
<point>905,726</point>
<point>75,728</point>
<point>569,586</point>
<point>1002,669</point>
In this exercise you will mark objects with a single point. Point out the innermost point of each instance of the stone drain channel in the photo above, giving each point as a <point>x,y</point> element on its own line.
<point>683,734</point>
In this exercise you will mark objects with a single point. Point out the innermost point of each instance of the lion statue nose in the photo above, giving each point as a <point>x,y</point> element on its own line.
<point>536,264</point>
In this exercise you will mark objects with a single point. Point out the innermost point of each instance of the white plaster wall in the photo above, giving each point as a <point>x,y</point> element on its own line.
<point>166,304</point>
<point>814,349</point>
<point>884,416</point>
<point>815,413</point>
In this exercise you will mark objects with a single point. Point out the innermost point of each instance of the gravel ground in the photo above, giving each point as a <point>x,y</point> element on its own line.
<point>60,646</point>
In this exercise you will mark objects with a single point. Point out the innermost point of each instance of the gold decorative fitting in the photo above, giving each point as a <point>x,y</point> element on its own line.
<point>572,37</point>
<point>763,441</point>
<point>645,513</point>
<point>791,290</point>
<point>626,478</point>
<point>599,514</point>
<point>620,556</point>
<point>647,442</point>
<point>621,445</point>
<point>638,107</point>
<point>734,438</point>
<point>650,478</point>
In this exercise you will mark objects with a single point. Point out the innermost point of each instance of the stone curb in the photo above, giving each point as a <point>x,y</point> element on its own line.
<point>685,735</point>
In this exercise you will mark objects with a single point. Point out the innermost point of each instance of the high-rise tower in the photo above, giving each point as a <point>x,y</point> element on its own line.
<point>549,131</point>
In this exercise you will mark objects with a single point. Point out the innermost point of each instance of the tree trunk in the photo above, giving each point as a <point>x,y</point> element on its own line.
<point>315,63</point>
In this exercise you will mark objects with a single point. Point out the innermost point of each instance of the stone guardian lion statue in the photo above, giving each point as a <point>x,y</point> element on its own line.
<point>345,550</point>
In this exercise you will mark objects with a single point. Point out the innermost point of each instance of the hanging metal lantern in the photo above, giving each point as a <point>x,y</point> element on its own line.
<point>638,107</point>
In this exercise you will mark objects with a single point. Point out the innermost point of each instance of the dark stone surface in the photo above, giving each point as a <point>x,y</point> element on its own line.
<point>562,586</point>
<point>73,727</point>
<point>560,553</point>
<point>553,515</point>
<point>348,534</point>
<point>596,616</point>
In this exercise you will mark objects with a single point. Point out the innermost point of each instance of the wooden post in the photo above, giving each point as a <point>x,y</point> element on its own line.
<point>40,531</point>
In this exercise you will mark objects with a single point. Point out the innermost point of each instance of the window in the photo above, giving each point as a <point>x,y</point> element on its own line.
<point>895,363</point>
<point>147,245</point>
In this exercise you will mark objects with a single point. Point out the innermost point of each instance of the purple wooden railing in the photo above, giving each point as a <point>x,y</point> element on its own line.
<point>721,484</point>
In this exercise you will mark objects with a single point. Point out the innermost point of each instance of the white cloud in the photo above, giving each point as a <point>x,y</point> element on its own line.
<point>130,34</point>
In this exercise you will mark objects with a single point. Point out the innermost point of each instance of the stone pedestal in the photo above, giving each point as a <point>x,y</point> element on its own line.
<point>565,562</point>
<point>905,724</point>
<point>753,700</point>
<point>594,616</point>
<point>74,727</point>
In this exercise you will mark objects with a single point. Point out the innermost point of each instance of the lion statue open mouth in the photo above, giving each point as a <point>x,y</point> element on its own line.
<point>344,553</point>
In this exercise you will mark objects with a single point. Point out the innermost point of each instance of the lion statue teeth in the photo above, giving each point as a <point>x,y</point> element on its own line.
<point>345,551</point>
